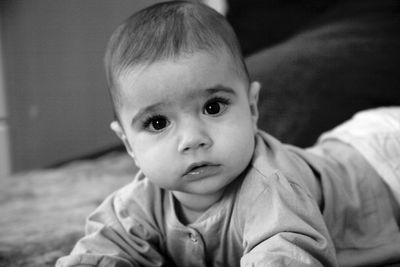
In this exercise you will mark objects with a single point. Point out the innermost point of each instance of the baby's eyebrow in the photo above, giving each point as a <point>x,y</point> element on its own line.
<point>218,89</point>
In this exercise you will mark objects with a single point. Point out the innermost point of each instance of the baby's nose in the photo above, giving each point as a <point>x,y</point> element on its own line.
<point>194,137</point>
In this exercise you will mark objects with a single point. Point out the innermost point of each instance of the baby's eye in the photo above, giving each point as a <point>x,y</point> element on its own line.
<point>216,106</point>
<point>156,123</point>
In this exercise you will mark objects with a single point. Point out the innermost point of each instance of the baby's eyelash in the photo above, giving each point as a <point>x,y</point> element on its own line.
<point>146,123</point>
<point>216,106</point>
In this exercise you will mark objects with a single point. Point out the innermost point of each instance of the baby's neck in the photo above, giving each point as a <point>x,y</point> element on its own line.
<point>187,216</point>
<point>190,207</point>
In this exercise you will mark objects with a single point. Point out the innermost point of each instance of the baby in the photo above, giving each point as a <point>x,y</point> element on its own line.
<point>213,189</point>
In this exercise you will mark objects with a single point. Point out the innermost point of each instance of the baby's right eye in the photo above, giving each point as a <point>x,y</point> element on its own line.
<point>156,123</point>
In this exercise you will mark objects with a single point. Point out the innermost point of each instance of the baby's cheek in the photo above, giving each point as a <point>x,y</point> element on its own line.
<point>155,175</point>
<point>154,162</point>
<point>242,145</point>
<point>158,166</point>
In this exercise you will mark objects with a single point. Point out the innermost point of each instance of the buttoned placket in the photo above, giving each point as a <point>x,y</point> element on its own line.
<point>190,248</point>
<point>193,237</point>
<point>196,242</point>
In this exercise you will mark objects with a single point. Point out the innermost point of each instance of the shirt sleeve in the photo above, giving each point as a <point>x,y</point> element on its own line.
<point>113,238</point>
<point>284,227</point>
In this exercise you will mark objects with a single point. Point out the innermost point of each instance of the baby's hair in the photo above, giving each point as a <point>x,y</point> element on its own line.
<point>166,31</point>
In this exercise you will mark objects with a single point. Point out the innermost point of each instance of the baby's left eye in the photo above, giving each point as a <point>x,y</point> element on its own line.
<point>216,106</point>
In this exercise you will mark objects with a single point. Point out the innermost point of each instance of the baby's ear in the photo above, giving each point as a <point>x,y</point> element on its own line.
<point>117,129</point>
<point>253,101</point>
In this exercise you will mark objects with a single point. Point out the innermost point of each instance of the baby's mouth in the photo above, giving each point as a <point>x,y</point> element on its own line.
<point>202,169</point>
<point>195,167</point>
<point>196,170</point>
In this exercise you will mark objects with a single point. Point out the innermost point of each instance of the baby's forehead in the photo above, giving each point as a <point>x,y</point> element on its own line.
<point>179,75</point>
<point>173,65</point>
<point>181,58</point>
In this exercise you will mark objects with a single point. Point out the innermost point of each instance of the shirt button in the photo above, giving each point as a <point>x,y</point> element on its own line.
<point>193,237</point>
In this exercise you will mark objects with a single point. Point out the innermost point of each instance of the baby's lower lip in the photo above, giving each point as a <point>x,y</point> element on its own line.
<point>203,171</point>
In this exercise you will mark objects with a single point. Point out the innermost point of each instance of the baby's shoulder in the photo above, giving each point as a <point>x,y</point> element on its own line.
<point>140,192</point>
<point>261,195</point>
<point>258,182</point>
<point>137,204</point>
<point>279,167</point>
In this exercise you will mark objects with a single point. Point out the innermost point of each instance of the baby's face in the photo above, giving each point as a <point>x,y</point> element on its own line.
<point>189,123</point>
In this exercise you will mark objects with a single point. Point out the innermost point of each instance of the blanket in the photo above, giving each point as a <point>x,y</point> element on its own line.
<point>43,211</point>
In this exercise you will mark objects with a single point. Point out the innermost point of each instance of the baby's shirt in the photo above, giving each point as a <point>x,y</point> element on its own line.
<point>263,219</point>
<point>269,216</point>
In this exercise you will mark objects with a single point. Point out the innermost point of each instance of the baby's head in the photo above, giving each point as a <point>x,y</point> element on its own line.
<point>168,31</point>
<point>186,110</point>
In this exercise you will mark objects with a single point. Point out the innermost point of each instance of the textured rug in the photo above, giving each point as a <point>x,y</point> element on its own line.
<point>43,211</point>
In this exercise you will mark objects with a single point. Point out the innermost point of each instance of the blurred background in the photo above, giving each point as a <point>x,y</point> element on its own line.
<point>54,104</point>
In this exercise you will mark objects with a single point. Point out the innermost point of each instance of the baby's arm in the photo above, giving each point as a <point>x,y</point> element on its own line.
<point>284,227</point>
<point>110,242</point>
